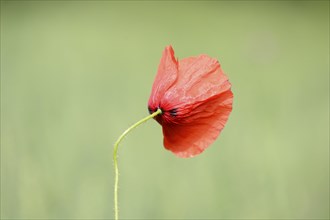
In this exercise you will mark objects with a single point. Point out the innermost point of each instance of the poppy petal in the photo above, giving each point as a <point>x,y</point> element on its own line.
<point>166,76</point>
<point>199,78</point>
<point>194,136</point>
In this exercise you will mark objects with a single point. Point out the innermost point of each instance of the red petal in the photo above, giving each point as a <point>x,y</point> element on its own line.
<point>166,75</point>
<point>199,79</point>
<point>204,126</point>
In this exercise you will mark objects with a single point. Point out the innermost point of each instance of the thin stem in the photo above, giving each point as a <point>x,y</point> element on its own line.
<point>115,161</point>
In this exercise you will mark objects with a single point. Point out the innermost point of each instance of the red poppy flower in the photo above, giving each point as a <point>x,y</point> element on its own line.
<point>195,98</point>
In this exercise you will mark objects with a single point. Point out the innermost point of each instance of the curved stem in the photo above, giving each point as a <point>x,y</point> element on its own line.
<point>115,161</point>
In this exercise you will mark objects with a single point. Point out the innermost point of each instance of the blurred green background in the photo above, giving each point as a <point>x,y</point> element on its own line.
<point>74,75</point>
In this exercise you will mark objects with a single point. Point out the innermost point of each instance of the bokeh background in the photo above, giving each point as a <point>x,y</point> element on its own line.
<point>75,75</point>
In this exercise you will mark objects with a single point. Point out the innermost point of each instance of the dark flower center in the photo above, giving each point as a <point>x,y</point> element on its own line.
<point>173,112</point>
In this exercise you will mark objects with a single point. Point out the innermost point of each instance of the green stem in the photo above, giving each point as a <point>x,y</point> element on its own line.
<point>115,161</point>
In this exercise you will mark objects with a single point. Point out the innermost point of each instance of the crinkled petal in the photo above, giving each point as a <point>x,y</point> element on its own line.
<point>192,137</point>
<point>166,76</point>
<point>199,79</point>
